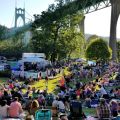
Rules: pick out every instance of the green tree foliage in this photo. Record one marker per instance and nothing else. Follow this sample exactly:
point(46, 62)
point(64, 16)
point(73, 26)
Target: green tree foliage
point(92, 38)
point(72, 42)
point(9, 49)
point(3, 29)
point(98, 50)
point(57, 38)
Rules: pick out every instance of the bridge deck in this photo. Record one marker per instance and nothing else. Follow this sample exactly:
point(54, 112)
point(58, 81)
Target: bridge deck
point(80, 5)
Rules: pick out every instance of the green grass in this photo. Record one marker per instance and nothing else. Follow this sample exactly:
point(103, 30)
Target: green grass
point(2, 79)
point(41, 85)
point(89, 111)
point(87, 80)
point(83, 80)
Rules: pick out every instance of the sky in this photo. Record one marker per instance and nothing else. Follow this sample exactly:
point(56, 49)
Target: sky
point(95, 23)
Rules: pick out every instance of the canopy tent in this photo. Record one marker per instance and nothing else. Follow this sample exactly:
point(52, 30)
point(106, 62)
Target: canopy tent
point(37, 55)
point(91, 63)
point(33, 59)
point(80, 60)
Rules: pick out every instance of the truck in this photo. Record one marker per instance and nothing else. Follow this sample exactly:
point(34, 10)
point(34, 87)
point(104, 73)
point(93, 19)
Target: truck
point(3, 64)
point(31, 66)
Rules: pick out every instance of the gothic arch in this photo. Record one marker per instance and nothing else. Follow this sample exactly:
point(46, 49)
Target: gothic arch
point(19, 12)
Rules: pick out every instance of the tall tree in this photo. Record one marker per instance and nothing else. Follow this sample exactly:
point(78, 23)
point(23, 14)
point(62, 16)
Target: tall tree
point(3, 29)
point(57, 38)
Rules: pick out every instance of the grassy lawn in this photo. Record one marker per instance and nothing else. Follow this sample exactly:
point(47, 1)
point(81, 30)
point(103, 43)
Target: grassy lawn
point(52, 83)
point(41, 85)
point(2, 79)
point(89, 111)
point(87, 80)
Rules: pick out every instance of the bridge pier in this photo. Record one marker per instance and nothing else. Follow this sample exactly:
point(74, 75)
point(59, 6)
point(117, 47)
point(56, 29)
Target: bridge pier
point(82, 25)
point(115, 12)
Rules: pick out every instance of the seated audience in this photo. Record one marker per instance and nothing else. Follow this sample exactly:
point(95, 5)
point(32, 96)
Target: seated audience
point(3, 109)
point(103, 110)
point(15, 108)
point(76, 112)
point(114, 108)
point(34, 107)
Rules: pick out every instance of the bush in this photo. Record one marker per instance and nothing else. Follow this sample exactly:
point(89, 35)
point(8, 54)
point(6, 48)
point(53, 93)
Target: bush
point(98, 50)
point(6, 73)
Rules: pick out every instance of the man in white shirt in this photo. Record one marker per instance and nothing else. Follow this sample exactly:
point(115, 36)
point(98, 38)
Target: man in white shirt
point(103, 92)
point(61, 106)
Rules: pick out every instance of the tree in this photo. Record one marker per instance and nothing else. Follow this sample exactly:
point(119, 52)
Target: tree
point(10, 48)
point(72, 42)
point(98, 50)
point(3, 29)
point(92, 37)
point(57, 38)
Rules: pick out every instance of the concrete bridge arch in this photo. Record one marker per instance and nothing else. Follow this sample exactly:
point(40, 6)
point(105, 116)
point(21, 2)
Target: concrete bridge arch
point(19, 12)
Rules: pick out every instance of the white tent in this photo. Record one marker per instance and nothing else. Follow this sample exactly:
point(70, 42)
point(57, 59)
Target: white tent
point(33, 59)
point(80, 60)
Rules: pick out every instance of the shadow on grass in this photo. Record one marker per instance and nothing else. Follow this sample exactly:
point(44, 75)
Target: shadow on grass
point(3, 80)
point(89, 111)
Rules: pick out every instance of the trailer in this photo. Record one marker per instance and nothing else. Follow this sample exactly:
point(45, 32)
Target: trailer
point(32, 65)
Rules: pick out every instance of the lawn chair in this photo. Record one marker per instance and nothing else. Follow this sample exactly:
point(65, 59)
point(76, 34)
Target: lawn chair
point(44, 114)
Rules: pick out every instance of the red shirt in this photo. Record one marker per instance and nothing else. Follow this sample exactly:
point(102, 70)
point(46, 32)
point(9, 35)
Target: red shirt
point(78, 92)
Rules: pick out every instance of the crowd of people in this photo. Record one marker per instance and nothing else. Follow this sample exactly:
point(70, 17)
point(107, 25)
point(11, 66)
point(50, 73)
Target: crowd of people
point(70, 98)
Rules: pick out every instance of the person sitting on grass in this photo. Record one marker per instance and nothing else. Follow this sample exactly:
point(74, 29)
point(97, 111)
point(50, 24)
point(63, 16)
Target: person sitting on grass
point(88, 102)
point(15, 109)
point(34, 107)
point(61, 106)
point(3, 109)
point(103, 92)
point(114, 108)
point(103, 110)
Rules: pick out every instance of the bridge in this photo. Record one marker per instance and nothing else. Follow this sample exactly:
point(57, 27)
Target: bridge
point(85, 6)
